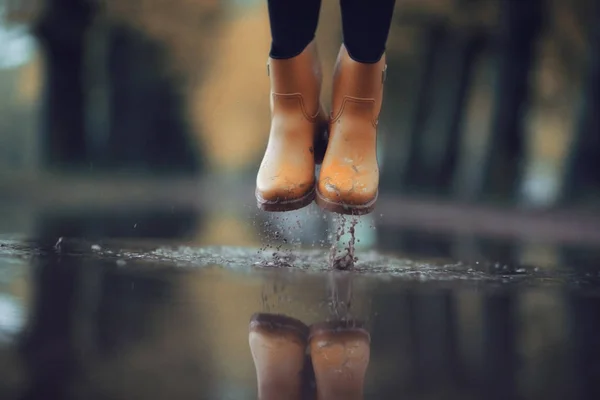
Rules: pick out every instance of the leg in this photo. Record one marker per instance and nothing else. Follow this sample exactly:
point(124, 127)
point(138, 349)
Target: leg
point(366, 25)
point(293, 26)
point(286, 177)
point(349, 179)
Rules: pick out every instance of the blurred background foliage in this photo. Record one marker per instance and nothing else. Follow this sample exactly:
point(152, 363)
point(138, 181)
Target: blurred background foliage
point(487, 101)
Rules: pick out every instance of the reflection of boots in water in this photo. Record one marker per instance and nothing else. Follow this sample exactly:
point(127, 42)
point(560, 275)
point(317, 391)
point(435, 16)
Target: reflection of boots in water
point(278, 346)
point(340, 354)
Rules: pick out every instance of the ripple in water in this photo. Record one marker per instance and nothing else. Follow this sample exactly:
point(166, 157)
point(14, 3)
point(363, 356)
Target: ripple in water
point(371, 262)
point(247, 260)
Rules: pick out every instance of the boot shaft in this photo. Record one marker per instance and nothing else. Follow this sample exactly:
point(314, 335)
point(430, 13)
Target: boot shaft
point(359, 83)
point(300, 75)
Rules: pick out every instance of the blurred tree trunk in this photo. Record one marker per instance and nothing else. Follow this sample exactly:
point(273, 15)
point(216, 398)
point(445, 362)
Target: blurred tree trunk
point(519, 28)
point(61, 32)
point(582, 172)
point(436, 130)
point(399, 107)
point(147, 127)
point(431, 44)
point(110, 99)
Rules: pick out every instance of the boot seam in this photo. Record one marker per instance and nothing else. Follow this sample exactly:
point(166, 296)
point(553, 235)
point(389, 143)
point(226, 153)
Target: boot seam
point(352, 99)
point(300, 97)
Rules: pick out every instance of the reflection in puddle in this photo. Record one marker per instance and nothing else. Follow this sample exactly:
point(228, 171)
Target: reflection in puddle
point(11, 318)
point(123, 320)
point(297, 361)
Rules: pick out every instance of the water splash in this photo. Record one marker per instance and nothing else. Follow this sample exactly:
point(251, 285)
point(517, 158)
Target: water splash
point(347, 259)
point(372, 264)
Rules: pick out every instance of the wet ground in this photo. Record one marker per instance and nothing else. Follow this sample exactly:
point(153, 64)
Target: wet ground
point(128, 303)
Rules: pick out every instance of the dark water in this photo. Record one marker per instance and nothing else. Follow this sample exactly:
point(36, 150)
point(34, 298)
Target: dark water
point(140, 319)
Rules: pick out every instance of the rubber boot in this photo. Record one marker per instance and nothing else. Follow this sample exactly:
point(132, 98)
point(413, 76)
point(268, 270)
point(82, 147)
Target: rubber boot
point(278, 346)
point(286, 178)
point(340, 353)
point(349, 178)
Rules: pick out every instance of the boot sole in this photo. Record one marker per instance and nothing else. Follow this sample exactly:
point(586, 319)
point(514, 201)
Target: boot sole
point(345, 209)
point(285, 205)
point(338, 327)
point(279, 323)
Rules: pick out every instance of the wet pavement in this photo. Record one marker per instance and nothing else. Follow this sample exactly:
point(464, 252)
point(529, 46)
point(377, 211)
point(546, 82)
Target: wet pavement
point(155, 318)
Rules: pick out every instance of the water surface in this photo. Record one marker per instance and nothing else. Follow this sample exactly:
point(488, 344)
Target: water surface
point(124, 319)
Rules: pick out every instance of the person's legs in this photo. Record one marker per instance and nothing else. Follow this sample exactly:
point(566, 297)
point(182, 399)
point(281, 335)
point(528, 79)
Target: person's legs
point(286, 178)
point(293, 26)
point(366, 25)
point(349, 177)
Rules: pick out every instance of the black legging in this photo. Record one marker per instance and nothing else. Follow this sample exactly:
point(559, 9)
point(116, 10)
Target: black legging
point(365, 24)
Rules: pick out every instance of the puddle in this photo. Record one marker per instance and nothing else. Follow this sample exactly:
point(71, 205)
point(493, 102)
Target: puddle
point(145, 319)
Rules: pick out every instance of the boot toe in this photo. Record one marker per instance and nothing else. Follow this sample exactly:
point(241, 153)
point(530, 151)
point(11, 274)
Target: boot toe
point(282, 190)
point(348, 191)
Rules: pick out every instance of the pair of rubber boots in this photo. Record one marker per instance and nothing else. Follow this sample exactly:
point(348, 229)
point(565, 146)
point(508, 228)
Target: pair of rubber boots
point(339, 354)
point(302, 136)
